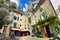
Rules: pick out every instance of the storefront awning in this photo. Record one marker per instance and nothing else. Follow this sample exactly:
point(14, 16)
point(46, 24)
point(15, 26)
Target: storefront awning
point(16, 29)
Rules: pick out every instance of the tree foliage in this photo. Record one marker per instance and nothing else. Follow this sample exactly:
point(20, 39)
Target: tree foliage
point(3, 17)
point(1, 1)
point(41, 22)
point(12, 5)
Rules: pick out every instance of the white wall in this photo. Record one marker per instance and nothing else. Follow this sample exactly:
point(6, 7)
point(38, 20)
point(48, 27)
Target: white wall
point(55, 3)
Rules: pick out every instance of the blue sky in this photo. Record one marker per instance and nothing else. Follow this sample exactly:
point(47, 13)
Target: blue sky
point(23, 4)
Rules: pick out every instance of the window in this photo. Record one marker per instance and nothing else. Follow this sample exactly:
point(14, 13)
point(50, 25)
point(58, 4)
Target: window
point(15, 25)
point(21, 14)
point(20, 24)
point(15, 17)
point(41, 8)
point(20, 19)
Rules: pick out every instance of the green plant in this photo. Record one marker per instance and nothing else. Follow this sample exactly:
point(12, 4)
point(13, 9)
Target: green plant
point(45, 14)
point(1, 1)
point(12, 5)
point(3, 14)
point(41, 22)
point(53, 25)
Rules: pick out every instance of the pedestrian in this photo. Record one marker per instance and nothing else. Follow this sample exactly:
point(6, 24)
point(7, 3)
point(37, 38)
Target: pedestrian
point(12, 35)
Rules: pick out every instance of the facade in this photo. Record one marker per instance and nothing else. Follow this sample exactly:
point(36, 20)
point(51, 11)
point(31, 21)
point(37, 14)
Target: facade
point(44, 8)
point(20, 25)
point(6, 28)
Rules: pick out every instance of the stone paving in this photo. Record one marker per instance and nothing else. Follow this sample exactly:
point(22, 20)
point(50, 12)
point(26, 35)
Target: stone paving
point(31, 38)
point(2, 37)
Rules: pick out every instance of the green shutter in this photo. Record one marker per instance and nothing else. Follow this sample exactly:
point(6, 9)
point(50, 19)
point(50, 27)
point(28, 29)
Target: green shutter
point(15, 17)
point(14, 25)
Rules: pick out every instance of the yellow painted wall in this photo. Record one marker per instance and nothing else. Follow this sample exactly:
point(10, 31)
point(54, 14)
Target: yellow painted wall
point(23, 21)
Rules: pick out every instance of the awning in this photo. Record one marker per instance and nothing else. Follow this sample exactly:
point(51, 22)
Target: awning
point(16, 29)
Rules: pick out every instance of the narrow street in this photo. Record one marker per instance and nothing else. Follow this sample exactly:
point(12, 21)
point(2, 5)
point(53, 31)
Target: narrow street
point(31, 38)
point(29, 20)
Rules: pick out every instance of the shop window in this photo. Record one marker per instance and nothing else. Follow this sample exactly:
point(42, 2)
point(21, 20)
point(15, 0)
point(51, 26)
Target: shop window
point(15, 25)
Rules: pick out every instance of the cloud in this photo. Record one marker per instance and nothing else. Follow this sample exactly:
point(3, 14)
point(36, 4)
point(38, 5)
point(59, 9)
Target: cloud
point(23, 4)
point(15, 1)
point(26, 5)
point(24, 9)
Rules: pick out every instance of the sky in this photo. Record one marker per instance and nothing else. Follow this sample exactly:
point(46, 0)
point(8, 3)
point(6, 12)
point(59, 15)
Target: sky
point(23, 4)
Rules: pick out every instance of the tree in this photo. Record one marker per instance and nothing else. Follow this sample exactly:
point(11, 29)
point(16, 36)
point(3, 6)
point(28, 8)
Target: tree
point(3, 17)
point(1, 1)
point(12, 5)
point(51, 20)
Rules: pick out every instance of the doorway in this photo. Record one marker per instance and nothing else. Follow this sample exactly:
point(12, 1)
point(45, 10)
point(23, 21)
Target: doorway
point(48, 31)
